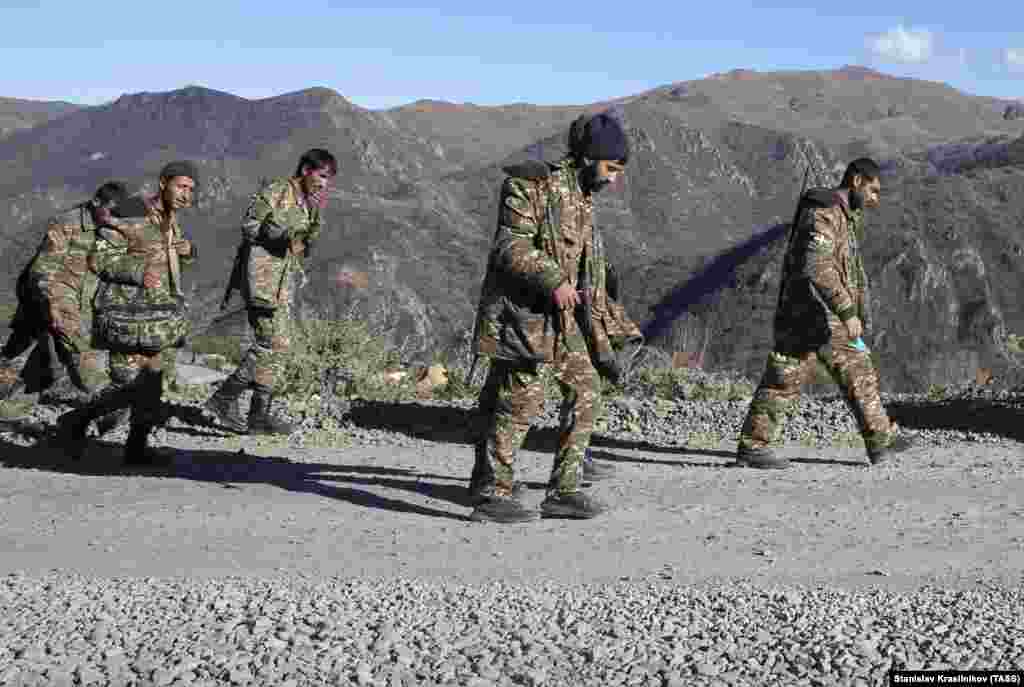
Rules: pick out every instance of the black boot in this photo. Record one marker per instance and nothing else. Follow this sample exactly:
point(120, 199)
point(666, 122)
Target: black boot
point(897, 444)
point(112, 421)
point(260, 420)
point(73, 425)
point(136, 448)
point(224, 405)
point(575, 505)
point(763, 458)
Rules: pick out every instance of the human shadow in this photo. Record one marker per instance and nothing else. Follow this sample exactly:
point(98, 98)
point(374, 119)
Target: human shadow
point(448, 424)
point(231, 468)
point(1002, 418)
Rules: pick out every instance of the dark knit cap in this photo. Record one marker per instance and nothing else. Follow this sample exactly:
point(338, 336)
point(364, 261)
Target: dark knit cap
point(604, 139)
point(180, 168)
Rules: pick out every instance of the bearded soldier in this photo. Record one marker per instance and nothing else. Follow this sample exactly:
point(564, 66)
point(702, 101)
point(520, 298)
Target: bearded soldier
point(140, 311)
point(278, 232)
point(55, 293)
point(543, 245)
point(822, 307)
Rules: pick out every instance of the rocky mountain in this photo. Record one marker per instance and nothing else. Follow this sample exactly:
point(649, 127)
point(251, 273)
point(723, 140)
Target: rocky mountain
point(718, 162)
point(17, 114)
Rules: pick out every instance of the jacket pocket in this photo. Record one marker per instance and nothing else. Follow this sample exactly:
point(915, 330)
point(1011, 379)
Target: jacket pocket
point(524, 334)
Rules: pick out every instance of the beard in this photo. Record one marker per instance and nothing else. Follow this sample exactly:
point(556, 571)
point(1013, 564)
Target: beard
point(590, 182)
point(856, 200)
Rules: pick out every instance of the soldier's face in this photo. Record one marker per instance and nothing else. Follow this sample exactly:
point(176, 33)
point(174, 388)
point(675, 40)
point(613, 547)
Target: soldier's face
point(865, 193)
point(101, 213)
point(177, 192)
point(316, 181)
point(600, 174)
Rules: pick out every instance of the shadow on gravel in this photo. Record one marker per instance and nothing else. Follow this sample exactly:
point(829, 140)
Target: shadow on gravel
point(233, 468)
point(457, 426)
point(968, 415)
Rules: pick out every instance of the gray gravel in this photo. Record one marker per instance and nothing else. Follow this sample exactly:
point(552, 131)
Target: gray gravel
point(69, 630)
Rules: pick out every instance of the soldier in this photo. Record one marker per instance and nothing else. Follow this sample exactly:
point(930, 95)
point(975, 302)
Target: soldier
point(140, 311)
point(821, 310)
point(278, 232)
point(55, 293)
point(542, 246)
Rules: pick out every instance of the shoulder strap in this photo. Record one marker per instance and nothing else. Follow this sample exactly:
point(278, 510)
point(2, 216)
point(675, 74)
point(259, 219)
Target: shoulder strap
point(529, 169)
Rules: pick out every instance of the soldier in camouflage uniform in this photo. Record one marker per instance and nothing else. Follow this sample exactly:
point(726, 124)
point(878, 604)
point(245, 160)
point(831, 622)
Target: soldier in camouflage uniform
point(55, 293)
point(543, 244)
point(822, 307)
point(278, 232)
point(139, 265)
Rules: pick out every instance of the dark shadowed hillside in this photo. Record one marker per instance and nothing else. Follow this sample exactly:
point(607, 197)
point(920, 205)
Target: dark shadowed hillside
point(716, 162)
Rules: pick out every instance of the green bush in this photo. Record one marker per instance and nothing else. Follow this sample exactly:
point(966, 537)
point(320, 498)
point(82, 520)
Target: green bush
point(348, 348)
point(691, 385)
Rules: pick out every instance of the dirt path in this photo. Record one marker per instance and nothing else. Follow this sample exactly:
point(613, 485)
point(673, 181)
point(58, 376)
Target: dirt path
point(948, 516)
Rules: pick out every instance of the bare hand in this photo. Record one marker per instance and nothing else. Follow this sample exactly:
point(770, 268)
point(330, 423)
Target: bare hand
point(855, 328)
point(565, 296)
point(151, 278)
point(184, 248)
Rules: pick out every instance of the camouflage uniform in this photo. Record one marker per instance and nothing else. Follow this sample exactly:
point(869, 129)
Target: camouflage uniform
point(278, 231)
point(823, 286)
point(544, 238)
point(120, 259)
point(54, 294)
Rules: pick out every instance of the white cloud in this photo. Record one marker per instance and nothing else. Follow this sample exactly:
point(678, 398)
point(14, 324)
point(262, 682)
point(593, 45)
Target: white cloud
point(903, 45)
point(1014, 59)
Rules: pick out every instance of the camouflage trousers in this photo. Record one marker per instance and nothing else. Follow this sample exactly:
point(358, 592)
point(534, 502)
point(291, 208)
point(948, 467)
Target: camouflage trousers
point(787, 371)
point(513, 396)
point(262, 366)
point(136, 383)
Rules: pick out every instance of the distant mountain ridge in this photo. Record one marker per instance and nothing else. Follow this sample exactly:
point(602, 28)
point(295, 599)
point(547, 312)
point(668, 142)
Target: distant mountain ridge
point(716, 161)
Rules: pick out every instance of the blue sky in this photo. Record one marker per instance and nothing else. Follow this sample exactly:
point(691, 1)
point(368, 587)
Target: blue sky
point(489, 53)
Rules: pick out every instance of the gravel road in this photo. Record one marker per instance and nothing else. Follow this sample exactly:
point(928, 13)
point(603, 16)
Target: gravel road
point(285, 562)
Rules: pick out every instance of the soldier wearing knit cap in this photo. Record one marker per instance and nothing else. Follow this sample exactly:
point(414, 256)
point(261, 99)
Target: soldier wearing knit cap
point(139, 270)
point(543, 253)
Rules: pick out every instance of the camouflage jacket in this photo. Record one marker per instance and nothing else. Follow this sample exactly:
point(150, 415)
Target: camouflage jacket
point(278, 231)
point(122, 255)
point(62, 258)
point(544, 237)
point(609, 326)
point(823, 278)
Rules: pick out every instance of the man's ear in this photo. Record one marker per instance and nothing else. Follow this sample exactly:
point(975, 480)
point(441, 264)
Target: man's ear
point(857, 182)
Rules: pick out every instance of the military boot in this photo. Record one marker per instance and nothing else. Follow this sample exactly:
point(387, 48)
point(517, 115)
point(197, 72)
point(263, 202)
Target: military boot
point(503, 509)
point(136, 448)
point(260, 419)
point(898, 444)
point(224, 405)
point(763, 458)
point(112, 421)
point(73, 425)
point(593, 471)
point(573, 505)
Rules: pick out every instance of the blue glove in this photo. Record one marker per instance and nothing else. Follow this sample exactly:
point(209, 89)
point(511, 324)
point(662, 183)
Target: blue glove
point(859, 344)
